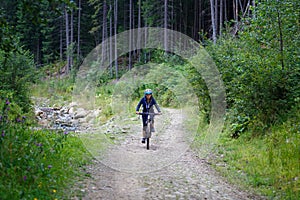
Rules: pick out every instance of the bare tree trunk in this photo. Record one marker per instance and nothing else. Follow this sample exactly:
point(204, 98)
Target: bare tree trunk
point(104, 32)
point(254, 5)
point(61, 41)
point(236, 11)
point(201, 19)
point(249, 3)
point(221, 17)
point(133, 26)
point(180, 18)
point(67, 41)
point(172, 19)
point(130, 36)
point(71, 39)
point(166, 26)
point(216, 15)
point(245, 7)
point(213, 22)
point(195, 29)
point(110, 41)
point(225, 12)
point(139, 26)
point(78, 30)
point(185, 22)
point(116, 31)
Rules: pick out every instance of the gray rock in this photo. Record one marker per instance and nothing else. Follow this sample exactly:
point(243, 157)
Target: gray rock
point(80, 114)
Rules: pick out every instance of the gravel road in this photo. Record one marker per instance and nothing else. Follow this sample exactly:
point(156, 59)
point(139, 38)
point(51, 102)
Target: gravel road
point(169, 170)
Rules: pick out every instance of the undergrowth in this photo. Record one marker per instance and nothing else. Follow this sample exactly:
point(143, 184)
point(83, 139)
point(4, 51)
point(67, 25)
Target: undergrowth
point(37, 164)
point(268, 164)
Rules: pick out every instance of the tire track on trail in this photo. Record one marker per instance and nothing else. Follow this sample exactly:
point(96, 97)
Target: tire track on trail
point(169, 170)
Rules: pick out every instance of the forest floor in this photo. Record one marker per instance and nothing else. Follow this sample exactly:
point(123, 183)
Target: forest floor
point(169, 170)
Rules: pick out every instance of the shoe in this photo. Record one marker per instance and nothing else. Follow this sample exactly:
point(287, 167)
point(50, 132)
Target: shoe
point(143, 140)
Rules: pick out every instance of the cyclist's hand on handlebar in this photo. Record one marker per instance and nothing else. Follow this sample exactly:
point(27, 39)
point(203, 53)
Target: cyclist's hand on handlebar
point(159, 113)
point(137, 112)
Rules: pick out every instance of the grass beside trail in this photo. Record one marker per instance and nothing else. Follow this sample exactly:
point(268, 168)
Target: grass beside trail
point(57, 91)
point(39, 164)
point(269, 164)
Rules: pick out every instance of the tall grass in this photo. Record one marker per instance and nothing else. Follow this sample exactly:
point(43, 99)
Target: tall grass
point(57, 91)
point(37, 164)
point(270, 164)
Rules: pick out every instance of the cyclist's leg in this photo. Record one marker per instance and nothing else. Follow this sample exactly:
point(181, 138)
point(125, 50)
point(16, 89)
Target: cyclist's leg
point(144, 131)
point(152, 120)
point(152, 125)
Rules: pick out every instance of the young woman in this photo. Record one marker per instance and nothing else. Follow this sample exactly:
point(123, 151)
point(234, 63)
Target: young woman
point(147, 102)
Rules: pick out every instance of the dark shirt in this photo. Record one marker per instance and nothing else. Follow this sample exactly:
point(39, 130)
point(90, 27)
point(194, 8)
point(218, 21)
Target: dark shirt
point(147, 107)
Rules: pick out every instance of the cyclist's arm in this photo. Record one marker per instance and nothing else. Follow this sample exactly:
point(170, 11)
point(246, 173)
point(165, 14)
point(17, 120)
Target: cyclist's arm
point(138, 106)
point(156, 105)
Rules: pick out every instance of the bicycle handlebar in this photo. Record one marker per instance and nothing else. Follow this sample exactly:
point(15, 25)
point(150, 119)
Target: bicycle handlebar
point(147, 113)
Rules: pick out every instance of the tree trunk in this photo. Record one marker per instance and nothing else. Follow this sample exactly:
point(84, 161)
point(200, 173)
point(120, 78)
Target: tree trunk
point(221, 17)
point(78, 30)
point(130, 35)
point(139, 34)
point(145, 39)
point(110, 41)
point(71, 39)
point(116, 31)
point(67, 41)
point(236, 10)
point(172, 19)
point(213, 22)
point(216, 15)
point(133, 27)
point(166, 26)
point(253, 12)
point(225, 12)
point(104, 32)
point(61, 40)
point(195, 28)
point(201, 19)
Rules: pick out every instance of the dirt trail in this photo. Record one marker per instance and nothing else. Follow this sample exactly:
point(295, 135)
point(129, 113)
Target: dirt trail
point(169, 170)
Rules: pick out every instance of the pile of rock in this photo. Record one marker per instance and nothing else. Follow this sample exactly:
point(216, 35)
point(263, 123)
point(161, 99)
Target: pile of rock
point(71, 117)
point(65, 117)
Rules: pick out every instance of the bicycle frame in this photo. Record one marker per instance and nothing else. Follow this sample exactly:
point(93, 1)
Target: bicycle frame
point(148, 129)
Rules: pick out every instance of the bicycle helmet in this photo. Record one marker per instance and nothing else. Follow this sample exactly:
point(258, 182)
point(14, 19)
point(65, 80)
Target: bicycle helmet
point(148, 91)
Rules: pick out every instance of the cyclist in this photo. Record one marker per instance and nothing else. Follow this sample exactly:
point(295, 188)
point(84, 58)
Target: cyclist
point(147, 102)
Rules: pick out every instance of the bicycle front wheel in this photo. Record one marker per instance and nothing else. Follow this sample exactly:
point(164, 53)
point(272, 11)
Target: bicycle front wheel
point(148, 143)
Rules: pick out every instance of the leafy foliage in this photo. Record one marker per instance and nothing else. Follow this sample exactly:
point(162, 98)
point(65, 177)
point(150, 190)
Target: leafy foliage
point(260, 75)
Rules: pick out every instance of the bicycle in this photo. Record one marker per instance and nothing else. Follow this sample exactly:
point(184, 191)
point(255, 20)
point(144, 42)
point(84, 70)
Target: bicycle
point(148, 129)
